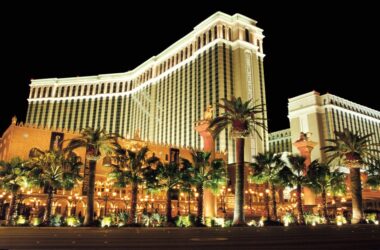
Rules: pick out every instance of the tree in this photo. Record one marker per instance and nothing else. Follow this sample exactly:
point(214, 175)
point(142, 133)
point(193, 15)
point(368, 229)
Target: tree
point(266, 169)
point(13, 177)
point(205, 174)
point(132, 168)
point(51, 170)
point(294, 175)
point(169, 176)
point(352, 150)
point(244, 120)
point(322, 180)
point(96, 142)
point(373, 171)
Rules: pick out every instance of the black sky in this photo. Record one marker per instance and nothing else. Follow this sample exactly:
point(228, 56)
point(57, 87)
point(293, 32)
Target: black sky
point(323, 47)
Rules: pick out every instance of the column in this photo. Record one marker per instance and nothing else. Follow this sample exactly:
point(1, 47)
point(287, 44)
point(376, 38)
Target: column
point(305, 147)
point(209, 199)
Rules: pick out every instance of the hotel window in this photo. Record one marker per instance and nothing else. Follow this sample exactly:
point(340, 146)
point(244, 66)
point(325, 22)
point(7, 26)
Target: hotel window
point(120, 87)
point(32, 94)
point(199, 42)
point(191, 49)
point(246, 35)
point(44, 92)
point(38, 92)
point(224, 32)
point(108, 87)
point(62, 91)
point(181, 55)
point(102, 88)
point(85, 90)
point(91, 88)
point(67, 91)
point(79, 90)
point(114, 87)
point(215, 32)
point(204, 39)
point(209, 36)
point(73, 91)
point(50, 91)
point(96, 89)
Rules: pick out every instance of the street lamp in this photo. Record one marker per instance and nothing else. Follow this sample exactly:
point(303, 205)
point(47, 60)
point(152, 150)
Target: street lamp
point(74, 203)
point(106, 197)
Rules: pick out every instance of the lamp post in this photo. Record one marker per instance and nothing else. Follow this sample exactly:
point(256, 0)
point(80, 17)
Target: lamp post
point(1, 204)
point(250, 193)
point(74, 203)
point(106, 196)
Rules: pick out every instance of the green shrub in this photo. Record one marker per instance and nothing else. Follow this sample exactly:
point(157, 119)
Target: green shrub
point(72, 221)
point(36, 222)
point(185, 221)
point(56, 220)
point(106, 221)
point(288, 218)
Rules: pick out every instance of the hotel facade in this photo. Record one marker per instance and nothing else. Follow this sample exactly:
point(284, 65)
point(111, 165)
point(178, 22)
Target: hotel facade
point(163, 97)
point(319, 116)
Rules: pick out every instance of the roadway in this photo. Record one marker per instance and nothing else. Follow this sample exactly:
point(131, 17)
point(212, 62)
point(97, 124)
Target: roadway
point(293, 237)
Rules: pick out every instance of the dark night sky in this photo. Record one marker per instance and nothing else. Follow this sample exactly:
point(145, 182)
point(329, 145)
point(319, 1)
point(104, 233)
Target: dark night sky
point(316, 47)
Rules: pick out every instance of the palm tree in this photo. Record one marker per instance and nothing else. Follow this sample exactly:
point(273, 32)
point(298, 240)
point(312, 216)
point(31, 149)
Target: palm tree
point(294, 175)
point(244, 120)
point(266, 169)
point(96, 142)
point(169, 176)
point(13, 177)
point(352, 150)
point(133, 168)
point(373, 171)
point(51, 170)
point(204, 175)
point(322, 180)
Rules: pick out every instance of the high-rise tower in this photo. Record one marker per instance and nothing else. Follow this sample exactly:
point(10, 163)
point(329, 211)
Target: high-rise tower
point(164, 96)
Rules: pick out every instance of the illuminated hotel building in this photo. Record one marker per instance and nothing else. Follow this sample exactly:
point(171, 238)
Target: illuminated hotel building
point(164, 96)
point(280, 141)
point(321, 115)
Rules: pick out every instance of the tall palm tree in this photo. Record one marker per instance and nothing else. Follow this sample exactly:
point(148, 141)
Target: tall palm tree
point(352, 150)
point(294, 175)
point(133, 168)
point(322, 180)
point(266, 169)
point(205, 174)
point(244, 119)
point(52, 170)
point(373, 171)
point(13, 177)
point(96, 142)
point(168, 176)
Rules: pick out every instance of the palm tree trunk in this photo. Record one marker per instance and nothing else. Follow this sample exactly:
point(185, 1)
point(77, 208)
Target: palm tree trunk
point(48, 207)
point(239, 219)
point(274, 203)
point(11, 210)
point(89, 219)
point(324, 204)
point(169, 206)
point(266, 200)
point(356, 194)
point(300, 218)
point(200, 205)
point(133, 215)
